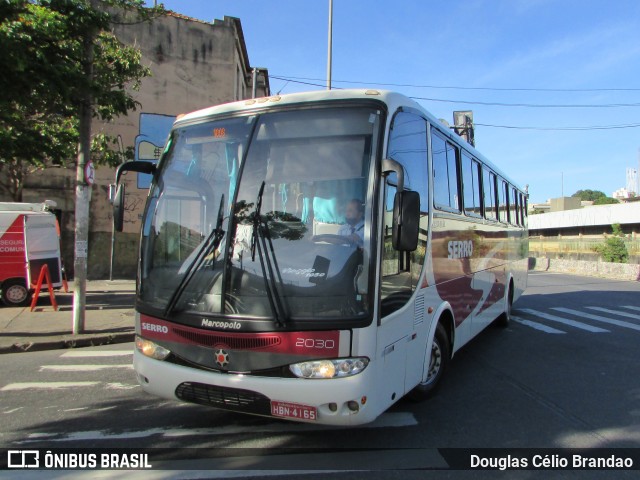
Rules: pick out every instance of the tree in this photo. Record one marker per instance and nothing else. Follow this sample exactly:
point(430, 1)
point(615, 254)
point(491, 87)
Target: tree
point(589, 195)
point(61, 68)
point(44, 83)
point(605, 201)
point(613, 249)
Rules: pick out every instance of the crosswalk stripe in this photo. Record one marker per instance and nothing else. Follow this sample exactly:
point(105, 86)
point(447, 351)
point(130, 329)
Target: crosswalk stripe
point(598, 318)
point(631, 307)
point(45, 385)
point(94, 353)
point(616, 312)
point(386, 420)
point(536, 325)
point(82, 368)
point(564, 321)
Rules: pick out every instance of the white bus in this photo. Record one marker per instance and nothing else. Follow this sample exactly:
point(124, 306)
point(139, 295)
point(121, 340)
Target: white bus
point(318, 256)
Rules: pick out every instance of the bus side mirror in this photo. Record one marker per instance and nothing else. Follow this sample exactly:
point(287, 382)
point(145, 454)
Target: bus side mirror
point(118, 209)
point(406, 221)
point(139, 166)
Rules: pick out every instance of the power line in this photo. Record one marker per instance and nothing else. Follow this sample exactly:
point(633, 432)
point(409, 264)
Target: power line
point(452, 87)
point(530, 105)
point(511, 127)
point(593, 127)
point(495, 104)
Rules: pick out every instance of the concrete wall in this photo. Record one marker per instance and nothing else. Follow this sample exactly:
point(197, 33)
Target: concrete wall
point(617, 271)
point(194, 65)
point(596, 216)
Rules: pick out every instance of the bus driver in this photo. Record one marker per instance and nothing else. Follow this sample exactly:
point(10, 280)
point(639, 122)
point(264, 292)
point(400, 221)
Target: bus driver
point(354, 228)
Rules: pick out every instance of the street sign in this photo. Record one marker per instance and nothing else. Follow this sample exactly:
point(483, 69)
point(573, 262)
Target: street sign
point(89, 173)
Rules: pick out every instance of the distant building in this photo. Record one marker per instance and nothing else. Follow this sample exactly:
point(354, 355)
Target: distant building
point(623, 194)
point(595, 221)
point(195, 64)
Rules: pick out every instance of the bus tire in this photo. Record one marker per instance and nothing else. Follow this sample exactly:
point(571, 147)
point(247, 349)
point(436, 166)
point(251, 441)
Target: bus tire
point(15, 293)
point(440, 356)
point(505, 318)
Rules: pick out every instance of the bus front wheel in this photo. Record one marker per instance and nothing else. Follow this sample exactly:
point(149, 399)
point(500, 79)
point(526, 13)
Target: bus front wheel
point(440, 355)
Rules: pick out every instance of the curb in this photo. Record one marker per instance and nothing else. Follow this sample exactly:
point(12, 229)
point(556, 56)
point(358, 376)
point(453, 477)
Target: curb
point(90, 340)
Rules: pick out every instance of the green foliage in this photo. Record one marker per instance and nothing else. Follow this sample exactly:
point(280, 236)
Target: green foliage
point(44, 77)
point(589, 195)
point(605, 201)
point(614, 249)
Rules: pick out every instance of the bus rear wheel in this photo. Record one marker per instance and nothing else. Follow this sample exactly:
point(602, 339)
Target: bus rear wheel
point(440, 355)
point(15, 293)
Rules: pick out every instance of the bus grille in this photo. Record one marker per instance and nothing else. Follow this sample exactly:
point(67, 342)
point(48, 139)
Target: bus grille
point(224, 397)
point(249, 342)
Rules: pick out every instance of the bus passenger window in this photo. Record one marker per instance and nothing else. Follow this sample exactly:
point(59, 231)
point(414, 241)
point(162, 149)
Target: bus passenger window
point(502, 205)
point(471, 185)
point(445, 173)
point(489, 183)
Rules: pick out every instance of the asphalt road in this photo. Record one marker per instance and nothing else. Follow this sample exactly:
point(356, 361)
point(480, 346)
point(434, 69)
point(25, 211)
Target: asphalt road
point(564, 374)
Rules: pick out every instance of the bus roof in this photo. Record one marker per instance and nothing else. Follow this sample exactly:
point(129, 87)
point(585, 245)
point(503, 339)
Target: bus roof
point(393, 101)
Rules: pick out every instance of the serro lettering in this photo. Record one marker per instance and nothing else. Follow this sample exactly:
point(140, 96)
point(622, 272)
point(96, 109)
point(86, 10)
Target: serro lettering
point(460, 249)
point(152, 327)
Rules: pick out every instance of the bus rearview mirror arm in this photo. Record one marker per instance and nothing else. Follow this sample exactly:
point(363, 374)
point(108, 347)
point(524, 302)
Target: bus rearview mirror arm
point(118, 200)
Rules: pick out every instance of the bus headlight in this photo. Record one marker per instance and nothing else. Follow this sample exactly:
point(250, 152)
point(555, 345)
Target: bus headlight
point(151, 349)
point(343, 367)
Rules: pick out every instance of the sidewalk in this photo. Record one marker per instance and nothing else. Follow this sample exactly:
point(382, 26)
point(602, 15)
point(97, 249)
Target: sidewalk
point(109, 318)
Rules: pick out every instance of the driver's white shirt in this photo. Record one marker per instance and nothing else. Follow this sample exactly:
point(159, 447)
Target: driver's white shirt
point(347, 230)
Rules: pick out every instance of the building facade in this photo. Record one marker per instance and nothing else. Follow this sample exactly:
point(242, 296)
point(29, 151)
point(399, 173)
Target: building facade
point(194, 64)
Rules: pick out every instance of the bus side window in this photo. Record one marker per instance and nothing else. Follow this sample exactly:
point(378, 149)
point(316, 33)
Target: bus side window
point(502, 202)
point(401, 270)
point(489, 184)
point(471, 185)
point(445, 173)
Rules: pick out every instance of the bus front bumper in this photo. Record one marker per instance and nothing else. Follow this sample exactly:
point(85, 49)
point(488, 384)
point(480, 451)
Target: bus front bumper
point(339, 401)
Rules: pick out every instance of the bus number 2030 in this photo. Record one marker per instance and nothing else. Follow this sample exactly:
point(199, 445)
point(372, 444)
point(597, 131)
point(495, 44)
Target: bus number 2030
point(316, 343)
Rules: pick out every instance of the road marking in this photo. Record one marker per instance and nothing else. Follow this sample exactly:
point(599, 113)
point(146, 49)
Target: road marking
point(632, 307)
point(94, 353)
point(536, 325)
point(386, 420)
point(565, 321)
point(82, 368)
point(46, 385)
point(13, 410)
point(598, 318)
point(121, 386)
point(616, 312)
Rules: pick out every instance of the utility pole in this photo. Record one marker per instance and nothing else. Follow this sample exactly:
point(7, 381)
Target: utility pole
point(83, 190)
point(330, 42)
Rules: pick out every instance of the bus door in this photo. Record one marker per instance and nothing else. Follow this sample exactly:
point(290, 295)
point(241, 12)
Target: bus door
point(403, 331)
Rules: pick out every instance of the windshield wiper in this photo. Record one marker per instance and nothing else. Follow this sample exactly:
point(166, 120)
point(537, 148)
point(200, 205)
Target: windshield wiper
point(268, 263)
point(211, 243)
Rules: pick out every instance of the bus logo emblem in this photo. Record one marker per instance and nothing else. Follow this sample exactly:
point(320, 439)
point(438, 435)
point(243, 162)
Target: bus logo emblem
point(222, 358)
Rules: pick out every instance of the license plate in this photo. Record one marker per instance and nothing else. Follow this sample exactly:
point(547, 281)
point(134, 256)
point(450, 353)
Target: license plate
point(293, 410)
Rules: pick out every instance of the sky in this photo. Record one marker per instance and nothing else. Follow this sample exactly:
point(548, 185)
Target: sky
point(557, 67)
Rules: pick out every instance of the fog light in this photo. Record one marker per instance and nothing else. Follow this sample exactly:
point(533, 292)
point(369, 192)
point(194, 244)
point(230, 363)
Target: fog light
point(333, 407)
point(353, 406)
point(151, 349)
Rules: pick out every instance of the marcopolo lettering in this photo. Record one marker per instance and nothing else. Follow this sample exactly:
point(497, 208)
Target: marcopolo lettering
point(460, 248)
point(222, 325)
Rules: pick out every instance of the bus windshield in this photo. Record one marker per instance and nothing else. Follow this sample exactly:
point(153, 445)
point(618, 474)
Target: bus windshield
point(264, 216)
